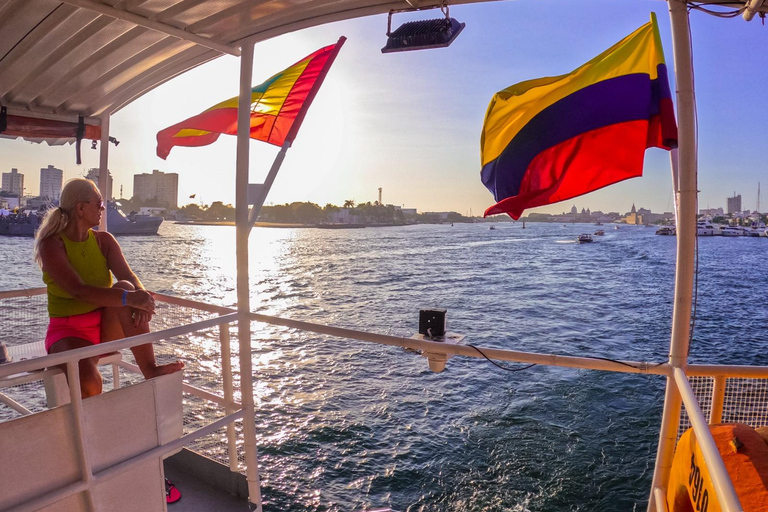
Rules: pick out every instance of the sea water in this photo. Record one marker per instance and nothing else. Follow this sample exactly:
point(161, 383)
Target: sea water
point(343, 425)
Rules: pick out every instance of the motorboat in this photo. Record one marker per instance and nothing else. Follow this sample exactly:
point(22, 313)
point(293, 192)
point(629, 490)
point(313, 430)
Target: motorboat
point(733, 231)
point(75, 64)
point(707, 229)
point(757, 230)
point(599, 232)
point(666, 231)
point(585, 238)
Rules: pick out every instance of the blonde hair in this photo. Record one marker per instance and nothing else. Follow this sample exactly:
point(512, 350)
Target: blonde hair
point(77, 190)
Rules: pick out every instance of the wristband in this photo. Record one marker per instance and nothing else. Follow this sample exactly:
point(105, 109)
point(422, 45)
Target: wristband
point(125, 296)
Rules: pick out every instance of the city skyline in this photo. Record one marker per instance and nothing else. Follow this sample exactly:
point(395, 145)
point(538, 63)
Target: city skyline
point(422, 147)
point(197, 199)
point(91, 174)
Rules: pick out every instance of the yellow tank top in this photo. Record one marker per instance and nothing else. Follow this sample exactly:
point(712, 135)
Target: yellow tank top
point(88, 261)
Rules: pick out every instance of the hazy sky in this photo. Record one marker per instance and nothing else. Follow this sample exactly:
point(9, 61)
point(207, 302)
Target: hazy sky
point(410, 122)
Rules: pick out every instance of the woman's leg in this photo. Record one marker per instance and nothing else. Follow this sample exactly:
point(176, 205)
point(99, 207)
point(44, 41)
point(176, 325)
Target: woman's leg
point(90, 378)
point(118, 323)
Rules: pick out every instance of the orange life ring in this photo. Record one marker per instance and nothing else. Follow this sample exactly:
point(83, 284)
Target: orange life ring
point(745, 455)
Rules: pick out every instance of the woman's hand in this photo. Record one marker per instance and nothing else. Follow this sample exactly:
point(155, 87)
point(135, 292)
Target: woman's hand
point(140, 317)
point(141, 300)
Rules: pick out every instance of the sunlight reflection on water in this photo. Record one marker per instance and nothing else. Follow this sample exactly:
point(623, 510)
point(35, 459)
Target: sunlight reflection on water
point(344, 424)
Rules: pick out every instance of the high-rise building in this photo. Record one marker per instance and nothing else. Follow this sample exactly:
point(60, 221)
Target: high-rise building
point(13, 182)
point(734, 203)
point(50, 182)
point(93, 175)
point(159, 186)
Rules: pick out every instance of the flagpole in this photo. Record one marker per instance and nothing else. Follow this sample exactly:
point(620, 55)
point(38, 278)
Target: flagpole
point(104, 169)
point(243, 288)
point(686, 194)
point(258, 202)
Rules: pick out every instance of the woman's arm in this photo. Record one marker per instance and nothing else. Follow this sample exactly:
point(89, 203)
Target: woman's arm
point(53, 254)
point(116, 260)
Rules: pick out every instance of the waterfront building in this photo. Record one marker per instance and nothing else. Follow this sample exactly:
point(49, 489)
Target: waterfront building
point(50, 182)
point(734, 203)
point(712, 212)
point(93, 175)
point(13, 182)
point(633, 217)
point(159, 186)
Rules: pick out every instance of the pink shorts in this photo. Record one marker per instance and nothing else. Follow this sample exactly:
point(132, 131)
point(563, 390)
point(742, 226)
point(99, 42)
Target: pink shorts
point(86, 326)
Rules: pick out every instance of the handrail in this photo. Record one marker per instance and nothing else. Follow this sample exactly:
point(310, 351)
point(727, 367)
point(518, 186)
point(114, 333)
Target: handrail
point(437, 347)
point(693, 370)
point(97, 350)
point(661, 502)
point(726, 493)
point(28, 292)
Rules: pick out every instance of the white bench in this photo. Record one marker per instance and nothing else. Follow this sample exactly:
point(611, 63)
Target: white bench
point(56, 388)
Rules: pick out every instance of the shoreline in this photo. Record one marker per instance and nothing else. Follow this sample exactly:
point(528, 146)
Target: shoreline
point(287, 225)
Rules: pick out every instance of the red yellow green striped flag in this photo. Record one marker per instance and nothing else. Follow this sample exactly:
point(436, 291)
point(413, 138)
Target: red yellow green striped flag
point(278, 107)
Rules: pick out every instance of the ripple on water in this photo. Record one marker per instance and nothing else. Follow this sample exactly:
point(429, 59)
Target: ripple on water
point(345, 425)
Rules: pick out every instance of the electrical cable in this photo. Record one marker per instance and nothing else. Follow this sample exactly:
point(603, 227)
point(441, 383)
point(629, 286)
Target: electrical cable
point(586, 357)
point(694, 310)
point(720, 14)
point(500, 366)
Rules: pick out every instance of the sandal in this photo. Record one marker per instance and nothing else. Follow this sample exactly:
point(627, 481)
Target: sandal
point(172, 494)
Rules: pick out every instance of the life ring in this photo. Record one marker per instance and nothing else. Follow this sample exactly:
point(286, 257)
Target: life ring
point(745, 455)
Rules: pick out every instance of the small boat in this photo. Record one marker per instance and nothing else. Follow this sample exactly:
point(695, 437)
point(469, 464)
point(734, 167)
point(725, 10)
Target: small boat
point(585, 238)
point(757, 229)
point(733, 231)
point(666, 230)
point(492, 227)
point(599, 232)
point(706, 229)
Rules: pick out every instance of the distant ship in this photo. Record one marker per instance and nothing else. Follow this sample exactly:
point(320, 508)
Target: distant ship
point(118, 224)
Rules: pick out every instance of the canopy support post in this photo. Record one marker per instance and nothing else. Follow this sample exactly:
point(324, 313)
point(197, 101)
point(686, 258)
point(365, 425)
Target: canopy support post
point(686, 238)
point(104, 169)
point(243, 288)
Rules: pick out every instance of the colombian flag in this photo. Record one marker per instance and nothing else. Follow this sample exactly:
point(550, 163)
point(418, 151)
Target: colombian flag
point(278, 107)
point(551, 139)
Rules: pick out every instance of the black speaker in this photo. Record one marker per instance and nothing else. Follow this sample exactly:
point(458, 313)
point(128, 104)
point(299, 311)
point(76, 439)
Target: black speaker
point(432, 322)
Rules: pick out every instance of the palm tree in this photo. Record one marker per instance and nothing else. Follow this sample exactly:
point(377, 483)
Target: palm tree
point(349, 203)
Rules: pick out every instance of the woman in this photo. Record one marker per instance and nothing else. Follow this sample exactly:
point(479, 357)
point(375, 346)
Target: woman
point(84, 305)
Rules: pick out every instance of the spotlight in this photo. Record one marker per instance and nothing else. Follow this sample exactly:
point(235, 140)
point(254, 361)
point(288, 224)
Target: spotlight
point(423, 34)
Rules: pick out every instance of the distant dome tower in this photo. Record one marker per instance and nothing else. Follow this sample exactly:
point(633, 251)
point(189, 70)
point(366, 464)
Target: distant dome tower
point(574, 210)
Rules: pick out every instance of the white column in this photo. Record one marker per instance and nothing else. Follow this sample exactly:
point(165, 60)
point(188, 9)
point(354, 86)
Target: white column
point(104, 167)
point(243, 288)
point(686, 238)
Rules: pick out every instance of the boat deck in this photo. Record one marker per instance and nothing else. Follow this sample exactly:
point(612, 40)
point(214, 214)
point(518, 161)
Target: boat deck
point(199, 496)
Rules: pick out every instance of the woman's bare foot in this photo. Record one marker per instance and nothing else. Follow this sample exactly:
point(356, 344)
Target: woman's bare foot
point(162, 369)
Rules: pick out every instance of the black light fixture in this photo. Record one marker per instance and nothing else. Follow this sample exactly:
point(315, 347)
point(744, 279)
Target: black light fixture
point(423, 34)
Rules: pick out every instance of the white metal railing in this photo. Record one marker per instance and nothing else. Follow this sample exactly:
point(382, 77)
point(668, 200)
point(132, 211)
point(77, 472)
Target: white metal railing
point(723, 486)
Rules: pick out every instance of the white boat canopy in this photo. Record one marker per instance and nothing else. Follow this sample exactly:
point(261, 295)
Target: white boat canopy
point(62, 60)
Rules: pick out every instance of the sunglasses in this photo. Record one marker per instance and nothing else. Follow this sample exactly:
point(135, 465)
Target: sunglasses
point(100, 203)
